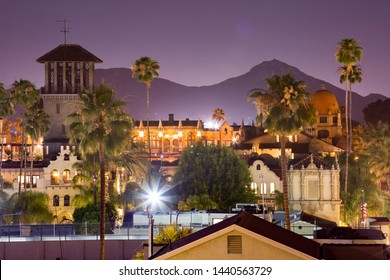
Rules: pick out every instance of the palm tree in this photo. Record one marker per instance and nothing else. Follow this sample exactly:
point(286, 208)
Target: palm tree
point(37, 125)
point(102, 127)
point(23, 92)
point(348, 54)
point(290, 114)
point(6, 110)
point(263, 103)
point(31, 206)
point(218, 116)
point(145, 69)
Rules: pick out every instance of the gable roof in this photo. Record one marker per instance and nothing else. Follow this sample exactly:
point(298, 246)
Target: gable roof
point(69, 52)
point(254, 224)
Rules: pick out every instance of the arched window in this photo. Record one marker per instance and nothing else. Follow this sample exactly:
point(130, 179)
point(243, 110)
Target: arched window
point(258, 167)
point(323, 133)
point(66, 200)
point(254, 187)
point(56, 200)
point(272, 188)
point(167, 145)
point(66, 176)
point(54, 177)
point(263, 188)
point(175, 145)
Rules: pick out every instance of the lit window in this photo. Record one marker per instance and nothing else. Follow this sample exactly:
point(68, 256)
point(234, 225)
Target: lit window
point(66, 176)
point(272, 188)
point(55, 177)
point(263, 188)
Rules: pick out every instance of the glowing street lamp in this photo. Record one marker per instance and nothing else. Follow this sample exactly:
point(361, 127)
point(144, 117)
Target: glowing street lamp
point(154, 198)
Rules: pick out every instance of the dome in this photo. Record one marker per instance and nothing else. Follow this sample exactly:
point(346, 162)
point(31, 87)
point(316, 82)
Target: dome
point(325, 102)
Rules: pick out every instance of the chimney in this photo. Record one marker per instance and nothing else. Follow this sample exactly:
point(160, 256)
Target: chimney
point(170, 118)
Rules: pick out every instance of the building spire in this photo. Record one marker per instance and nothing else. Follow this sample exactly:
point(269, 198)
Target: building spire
point(64, 29)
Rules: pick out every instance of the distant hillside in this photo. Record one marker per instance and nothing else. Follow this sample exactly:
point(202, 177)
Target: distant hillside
point(199, 102)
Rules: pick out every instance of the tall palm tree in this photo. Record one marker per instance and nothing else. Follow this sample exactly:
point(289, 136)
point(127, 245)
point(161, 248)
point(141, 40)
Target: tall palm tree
point(263, 103)
point(354, 76)
point(24, 93)
point(290, 114)
point(37, 125)
point(349, 53)
point(218, 116)
point(102, 127)
point(6, 110)
point(145, 69)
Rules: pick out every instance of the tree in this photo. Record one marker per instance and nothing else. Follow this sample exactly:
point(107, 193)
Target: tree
point(376, 146)
point(263, 102)
point(218, 116)
point(37, 124)
point(6, 110)
point(214, 171)
point(202, 202)
point(348, 54)
point(102, 127)
point(31, 206)
point(23, 92)
point(290, 114)
point(145, 69)
point(377, 111)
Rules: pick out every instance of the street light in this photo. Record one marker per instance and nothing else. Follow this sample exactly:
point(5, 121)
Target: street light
point(154, 198)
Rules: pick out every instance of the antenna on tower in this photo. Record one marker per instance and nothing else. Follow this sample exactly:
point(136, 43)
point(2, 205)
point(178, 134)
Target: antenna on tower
point(64, 29)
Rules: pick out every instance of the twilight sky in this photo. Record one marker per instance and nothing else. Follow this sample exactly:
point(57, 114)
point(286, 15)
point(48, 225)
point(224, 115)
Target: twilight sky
point(200, 42)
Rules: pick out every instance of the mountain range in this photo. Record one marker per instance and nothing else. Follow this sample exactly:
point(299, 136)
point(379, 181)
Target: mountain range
point(167, 97)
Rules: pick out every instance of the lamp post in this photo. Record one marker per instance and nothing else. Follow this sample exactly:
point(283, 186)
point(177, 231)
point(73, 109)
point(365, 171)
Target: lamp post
point(154, 198)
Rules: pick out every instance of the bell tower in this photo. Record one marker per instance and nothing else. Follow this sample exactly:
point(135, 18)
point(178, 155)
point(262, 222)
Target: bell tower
point(69, 70)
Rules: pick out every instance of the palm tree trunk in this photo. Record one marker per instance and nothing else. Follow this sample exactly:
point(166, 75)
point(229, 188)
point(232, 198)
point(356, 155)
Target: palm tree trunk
point(21, 153)
point(284, 179)
point(2, 147)
point(350, 117)
point(102, 200)
point(147, 119)
point(32, 164)
point(347, 137)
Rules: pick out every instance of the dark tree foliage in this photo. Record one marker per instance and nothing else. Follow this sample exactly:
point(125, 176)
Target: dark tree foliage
point(377, 111)
point(215, 171)
point(91, 214)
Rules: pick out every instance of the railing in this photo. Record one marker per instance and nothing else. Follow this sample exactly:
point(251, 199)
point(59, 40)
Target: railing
point(82, 231)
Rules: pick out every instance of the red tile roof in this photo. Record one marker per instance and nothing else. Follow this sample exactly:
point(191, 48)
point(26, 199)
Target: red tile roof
point(69, 52)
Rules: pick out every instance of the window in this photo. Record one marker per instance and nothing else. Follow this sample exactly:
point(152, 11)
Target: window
point(167, 145)
point(175, 145)
point(58, 108)
point(323, 119)
point(54, 177)
point(234, 244)
point(263, 188)
point(272, 188)
point(66, 200)
point(254, 187)
point(323, 134)
point(66, 176)
point(258, 167)
point(335, 119)
point(56, 200)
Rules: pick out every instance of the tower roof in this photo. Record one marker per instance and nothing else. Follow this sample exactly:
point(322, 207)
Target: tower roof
point(324, 101)
point(69, 52)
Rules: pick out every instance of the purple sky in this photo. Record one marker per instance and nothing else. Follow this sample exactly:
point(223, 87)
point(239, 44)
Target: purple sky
point(200, 42)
